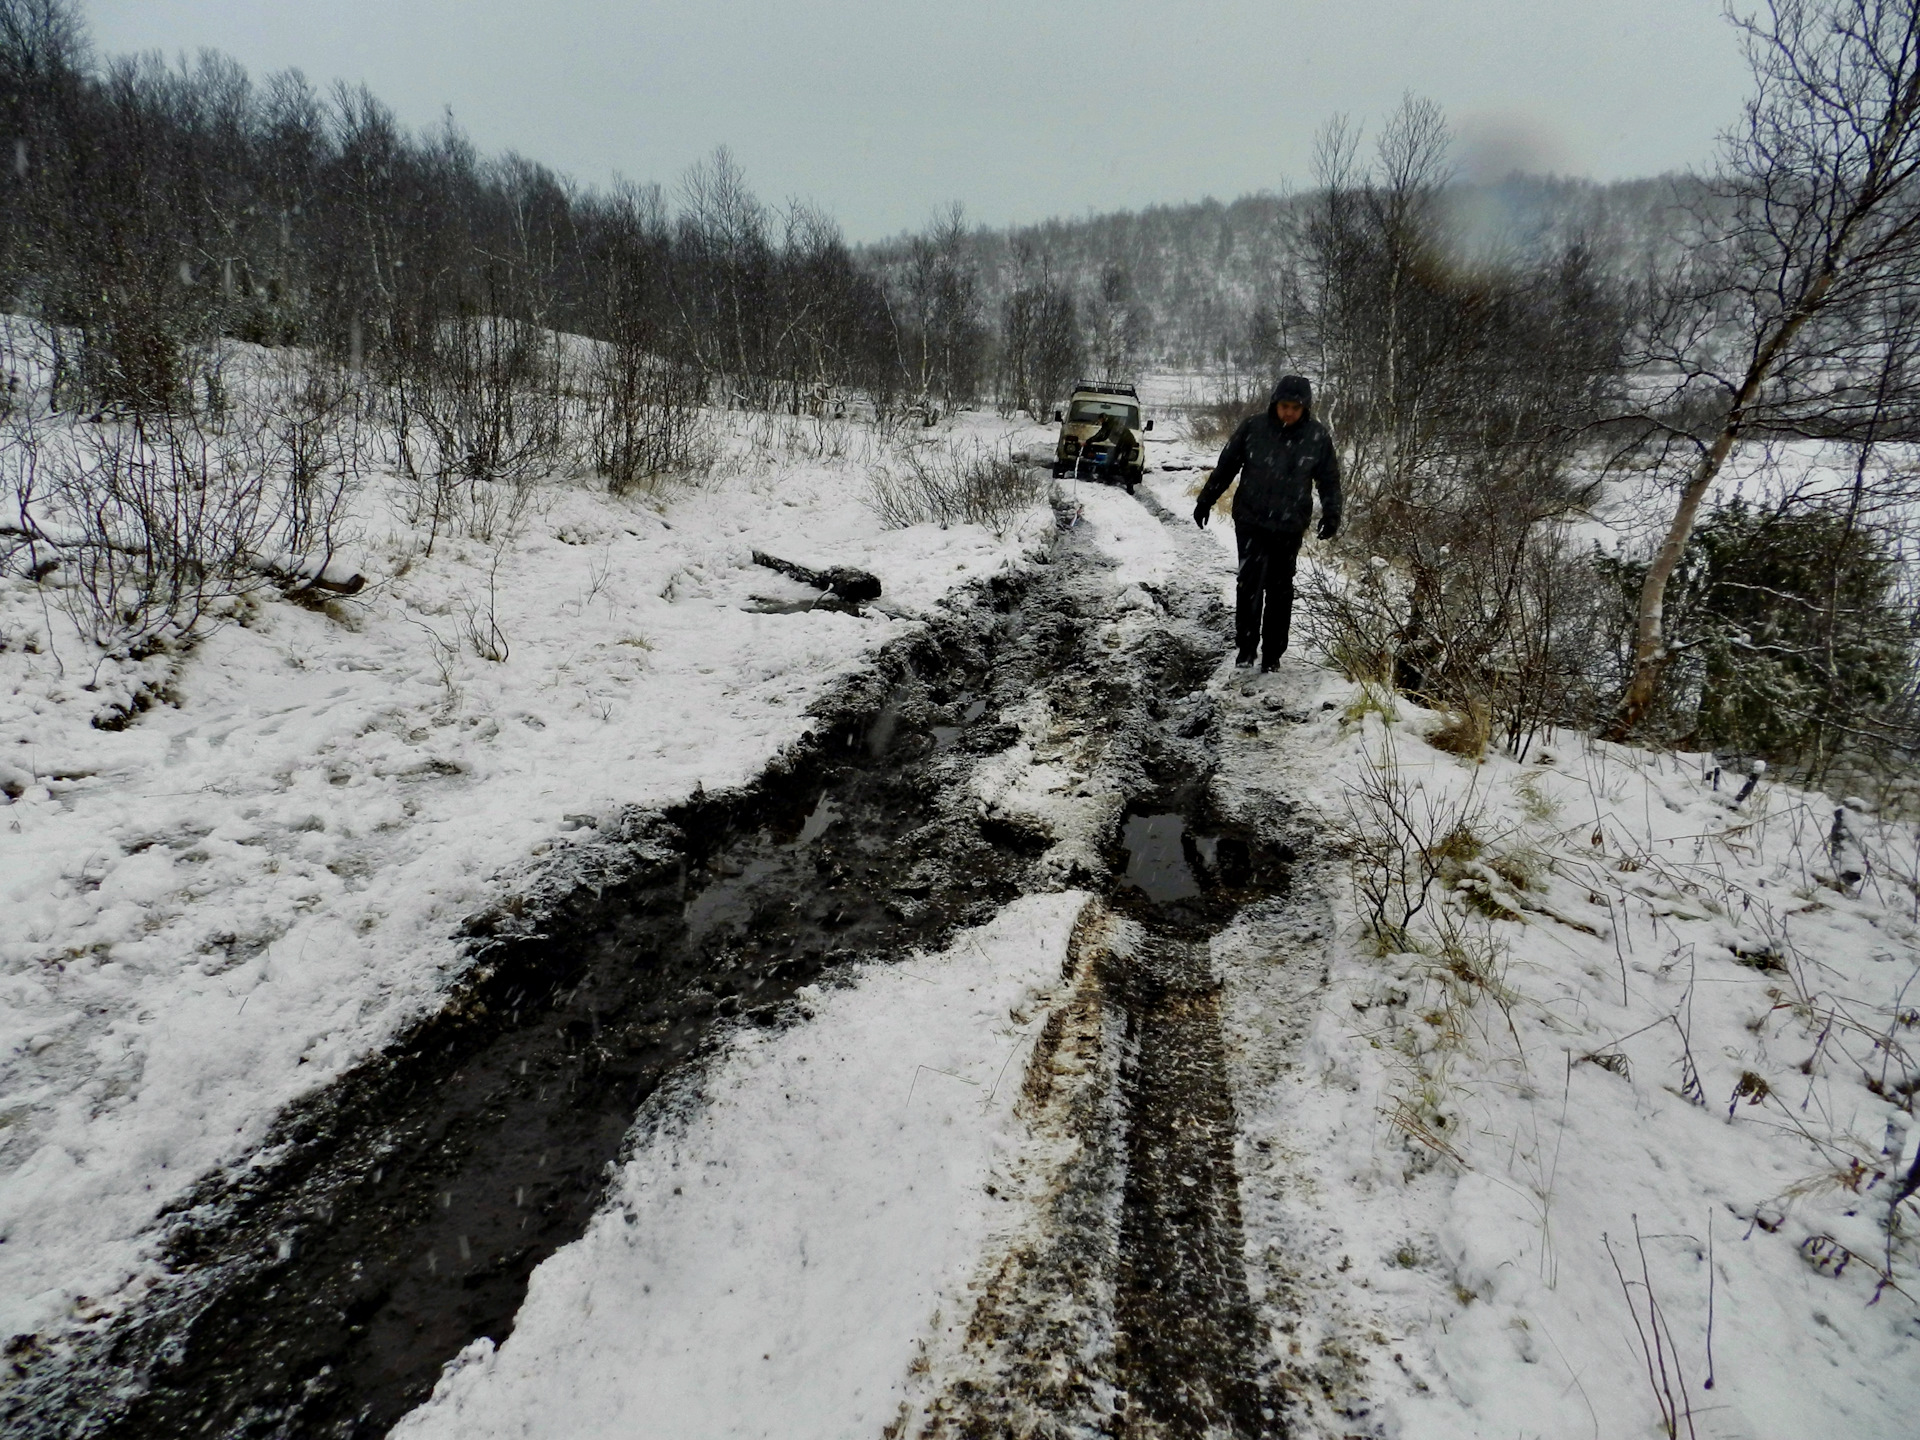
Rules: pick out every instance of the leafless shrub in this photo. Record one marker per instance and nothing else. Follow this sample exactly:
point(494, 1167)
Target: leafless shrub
point(479, 405)
point(481, 621)
point(142, 525)
point(1551, 666)
point(445, 654)
point(810, 436)
point(1661, 1355)
point(954, 485)
point(1403, 838)
point(1234, 395)
point(1519, 630)
point(163, 516)
point(23, 436)
point(313, 443)
point(644, 418)
point(1350, 613)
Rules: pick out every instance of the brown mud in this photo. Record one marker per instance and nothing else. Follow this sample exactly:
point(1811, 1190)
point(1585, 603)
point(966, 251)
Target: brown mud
point(1125, 1309)
point(317, 1287)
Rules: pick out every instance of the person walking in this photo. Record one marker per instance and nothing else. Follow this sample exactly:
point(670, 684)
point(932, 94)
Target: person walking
point(1280, 457)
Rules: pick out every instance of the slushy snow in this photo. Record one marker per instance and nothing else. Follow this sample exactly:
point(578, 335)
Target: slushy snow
point(771, 1257)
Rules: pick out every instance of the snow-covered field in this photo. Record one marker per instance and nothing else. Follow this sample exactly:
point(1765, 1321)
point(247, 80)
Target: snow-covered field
point(1637, 1006)
point(222, 905)
point(1637, 1025)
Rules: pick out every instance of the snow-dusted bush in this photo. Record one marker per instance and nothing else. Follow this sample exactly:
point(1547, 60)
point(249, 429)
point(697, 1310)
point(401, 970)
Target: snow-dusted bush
point(1506, 619)
point(1221, 406)
point(1403, 837)
point(142, 524)
point(479, 414)
point(150, 521)
point(953, 485)
point(644, 417)
point(1788, 635)
point(311, 414)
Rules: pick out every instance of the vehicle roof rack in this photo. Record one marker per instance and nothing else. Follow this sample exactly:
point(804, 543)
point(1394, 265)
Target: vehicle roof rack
point(1110, 387)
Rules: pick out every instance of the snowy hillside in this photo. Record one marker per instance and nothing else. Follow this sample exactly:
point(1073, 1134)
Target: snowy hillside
point(1524, 1097)
point(258, 879)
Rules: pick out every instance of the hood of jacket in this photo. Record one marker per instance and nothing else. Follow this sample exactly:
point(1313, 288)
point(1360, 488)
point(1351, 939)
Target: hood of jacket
point(1296, 388)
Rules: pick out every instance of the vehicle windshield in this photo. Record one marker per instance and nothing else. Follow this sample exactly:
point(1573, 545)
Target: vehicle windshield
point(1092, 412)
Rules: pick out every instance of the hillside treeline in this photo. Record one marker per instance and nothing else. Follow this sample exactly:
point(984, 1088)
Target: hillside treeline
point(1490, 357)
point(1203, 285)
point(146, 207)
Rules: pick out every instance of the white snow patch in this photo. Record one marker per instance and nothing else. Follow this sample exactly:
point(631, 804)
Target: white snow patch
point(254, 885)
point(772, 1255)
point(1452, 1157)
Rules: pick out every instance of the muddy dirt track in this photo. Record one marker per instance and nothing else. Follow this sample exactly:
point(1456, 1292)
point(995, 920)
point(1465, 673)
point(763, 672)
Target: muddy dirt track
point(397, 1215)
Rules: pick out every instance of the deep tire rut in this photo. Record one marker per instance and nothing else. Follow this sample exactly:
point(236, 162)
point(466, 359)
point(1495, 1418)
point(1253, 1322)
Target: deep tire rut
point(1187, 1340)
point(318, 1287)
point(1124, 1308)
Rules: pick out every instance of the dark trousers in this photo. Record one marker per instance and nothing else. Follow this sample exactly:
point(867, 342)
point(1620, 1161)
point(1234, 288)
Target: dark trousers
point(1265, 591)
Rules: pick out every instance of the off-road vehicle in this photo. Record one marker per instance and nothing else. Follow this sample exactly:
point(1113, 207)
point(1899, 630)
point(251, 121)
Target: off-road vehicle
point(1101, 434)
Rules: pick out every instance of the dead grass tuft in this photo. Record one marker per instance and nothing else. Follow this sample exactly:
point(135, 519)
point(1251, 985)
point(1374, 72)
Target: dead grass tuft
point(1465, 732)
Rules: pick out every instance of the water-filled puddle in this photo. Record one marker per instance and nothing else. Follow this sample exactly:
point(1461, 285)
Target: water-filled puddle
point(945, 735)
point(880, 733)
point(1157, 861)
point(824, 814)
point(727, 905)
point(825, 600)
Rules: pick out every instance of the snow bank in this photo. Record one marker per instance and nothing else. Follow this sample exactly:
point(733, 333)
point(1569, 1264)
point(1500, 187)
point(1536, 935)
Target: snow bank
point(256, 882)
point(1661, 1024)
point(769, 1260)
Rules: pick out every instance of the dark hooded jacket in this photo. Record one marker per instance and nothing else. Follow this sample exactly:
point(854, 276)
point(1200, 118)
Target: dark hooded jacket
point(1278, 467)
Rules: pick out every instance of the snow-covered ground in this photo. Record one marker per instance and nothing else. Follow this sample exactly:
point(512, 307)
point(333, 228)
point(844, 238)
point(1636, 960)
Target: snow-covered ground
point(1633, 1007)
point(1636, 1024)
point(770, 1262)
point(1439, 1146)
point(222, 905)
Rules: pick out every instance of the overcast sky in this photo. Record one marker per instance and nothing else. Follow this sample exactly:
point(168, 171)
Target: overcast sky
point(881, 110)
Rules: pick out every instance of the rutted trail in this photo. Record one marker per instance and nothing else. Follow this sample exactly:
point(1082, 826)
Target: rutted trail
point(1187, 1338)
point(1123, 1305)
point(1047, 731)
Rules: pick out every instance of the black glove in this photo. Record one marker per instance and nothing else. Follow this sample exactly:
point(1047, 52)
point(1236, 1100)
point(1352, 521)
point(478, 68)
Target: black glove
point(1200, 513)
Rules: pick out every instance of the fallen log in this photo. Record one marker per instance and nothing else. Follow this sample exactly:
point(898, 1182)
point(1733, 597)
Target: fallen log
point(291, 572)
point(323, 573)
point(841, 580)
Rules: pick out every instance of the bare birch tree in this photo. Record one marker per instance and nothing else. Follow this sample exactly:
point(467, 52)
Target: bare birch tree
point(1772, 322)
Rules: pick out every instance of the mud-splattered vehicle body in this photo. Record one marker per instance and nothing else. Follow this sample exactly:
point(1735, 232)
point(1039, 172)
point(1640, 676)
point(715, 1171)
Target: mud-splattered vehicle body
point(1102, 434)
